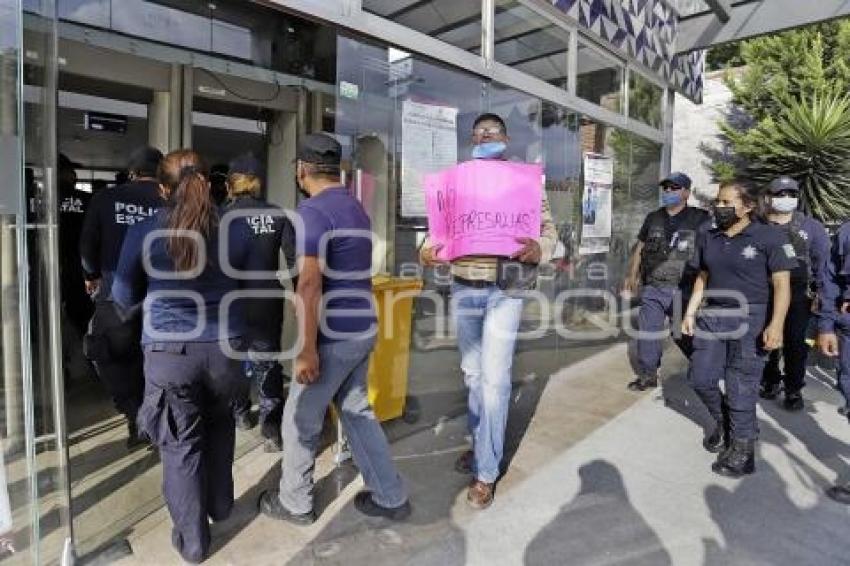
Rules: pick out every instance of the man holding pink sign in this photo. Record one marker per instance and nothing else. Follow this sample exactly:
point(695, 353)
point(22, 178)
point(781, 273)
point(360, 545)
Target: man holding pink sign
point(490, 219)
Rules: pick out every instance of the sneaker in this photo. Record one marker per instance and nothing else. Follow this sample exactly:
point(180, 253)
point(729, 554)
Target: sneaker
point(270, 506)
point(770, 390)
point(364, 503)
point(463, 465)
point(245, 421)
point(793, 401)
point(480, 494)
point(643, 382)
point(844, 411)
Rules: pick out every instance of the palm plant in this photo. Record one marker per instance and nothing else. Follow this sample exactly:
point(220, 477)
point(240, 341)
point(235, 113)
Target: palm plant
point(807, 138)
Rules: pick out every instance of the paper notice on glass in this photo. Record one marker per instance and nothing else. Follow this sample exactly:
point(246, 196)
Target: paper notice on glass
point(428, 145)
point(596, 204)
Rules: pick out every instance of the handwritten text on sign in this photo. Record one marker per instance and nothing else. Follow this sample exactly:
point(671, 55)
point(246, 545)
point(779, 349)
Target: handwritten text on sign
point(481, 207)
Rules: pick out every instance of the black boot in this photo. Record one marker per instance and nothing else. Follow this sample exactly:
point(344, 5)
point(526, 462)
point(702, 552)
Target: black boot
point(738, 460)
point(840, 493)
point(134, 440)
point(644, 382)
point(717, 440)
point(793, 401)
point(770, 390)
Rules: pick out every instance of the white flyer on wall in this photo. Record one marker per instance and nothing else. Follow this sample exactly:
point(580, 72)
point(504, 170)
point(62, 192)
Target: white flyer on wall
point(428, 144)
point(597, 204)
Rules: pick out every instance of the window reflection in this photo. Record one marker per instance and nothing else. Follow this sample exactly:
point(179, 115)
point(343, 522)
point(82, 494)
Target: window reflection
point(531, 43)
point(645, 100)
point(455, 22)
point(599, 78)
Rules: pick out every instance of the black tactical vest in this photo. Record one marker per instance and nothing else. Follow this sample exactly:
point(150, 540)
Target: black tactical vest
point(666, 253)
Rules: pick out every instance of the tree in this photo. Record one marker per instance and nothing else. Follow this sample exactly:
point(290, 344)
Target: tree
point(790, 115)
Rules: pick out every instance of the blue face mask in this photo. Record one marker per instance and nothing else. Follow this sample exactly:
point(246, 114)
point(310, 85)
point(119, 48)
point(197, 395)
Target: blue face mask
point(671, 199)
point(489, 150)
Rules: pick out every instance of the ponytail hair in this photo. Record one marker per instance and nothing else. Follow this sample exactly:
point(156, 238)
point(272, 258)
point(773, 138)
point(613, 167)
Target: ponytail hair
point(190, 206)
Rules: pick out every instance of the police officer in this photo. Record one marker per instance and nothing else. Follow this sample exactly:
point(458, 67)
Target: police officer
point(744, 279)
point(190, 380)
point(76, 306)
point(834, 313)
point(112, 342)
point(811, 246)
point(833, 320)
point(659, 262)
point(267, 232)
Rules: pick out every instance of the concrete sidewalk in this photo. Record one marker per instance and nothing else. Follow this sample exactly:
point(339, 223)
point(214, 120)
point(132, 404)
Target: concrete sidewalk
point(599, 476)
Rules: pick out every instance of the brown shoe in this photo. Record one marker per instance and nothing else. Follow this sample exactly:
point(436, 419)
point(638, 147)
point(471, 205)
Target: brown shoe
point(480, 494)
point(463, 465)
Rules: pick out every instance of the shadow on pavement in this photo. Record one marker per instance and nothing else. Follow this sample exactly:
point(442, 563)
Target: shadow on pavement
point(761, 524)
point(599, 526)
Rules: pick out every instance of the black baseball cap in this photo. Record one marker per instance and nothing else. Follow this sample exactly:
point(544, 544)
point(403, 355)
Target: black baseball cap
point(144, 161)
point(782, 184)
point(246, 164)
point(319, 149)
point(677, 178)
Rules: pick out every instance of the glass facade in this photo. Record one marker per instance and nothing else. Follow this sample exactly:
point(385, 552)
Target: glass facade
point(530, 43)
point(645, 100)
point(230, 77)
point(599, 78)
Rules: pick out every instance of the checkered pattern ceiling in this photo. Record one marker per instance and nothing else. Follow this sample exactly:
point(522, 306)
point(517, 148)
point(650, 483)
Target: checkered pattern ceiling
point(646, 31)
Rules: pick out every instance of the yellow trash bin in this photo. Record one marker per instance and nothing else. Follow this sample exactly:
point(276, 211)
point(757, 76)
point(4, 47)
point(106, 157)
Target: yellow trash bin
point(390, 360)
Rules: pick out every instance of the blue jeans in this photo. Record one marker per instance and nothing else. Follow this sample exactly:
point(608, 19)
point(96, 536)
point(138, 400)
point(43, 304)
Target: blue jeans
point(342, 379)
point(487, 321)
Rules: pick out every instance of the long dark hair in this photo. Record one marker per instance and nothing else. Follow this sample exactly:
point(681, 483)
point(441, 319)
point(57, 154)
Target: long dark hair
point(184, 174)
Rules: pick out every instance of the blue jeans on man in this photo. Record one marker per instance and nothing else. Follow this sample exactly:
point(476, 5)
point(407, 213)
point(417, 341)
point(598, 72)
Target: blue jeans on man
point(344, 366)
point(487, 320)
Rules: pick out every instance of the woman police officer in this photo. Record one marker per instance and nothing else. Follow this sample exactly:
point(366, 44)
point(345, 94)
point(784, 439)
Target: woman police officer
point(743, 276)
point(172, 262)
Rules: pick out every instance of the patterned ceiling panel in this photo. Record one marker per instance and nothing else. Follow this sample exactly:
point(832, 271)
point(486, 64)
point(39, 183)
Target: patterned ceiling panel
point(646, 31)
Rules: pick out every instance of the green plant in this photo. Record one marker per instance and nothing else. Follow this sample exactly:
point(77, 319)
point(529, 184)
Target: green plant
point(790, 115)
point(808, 139)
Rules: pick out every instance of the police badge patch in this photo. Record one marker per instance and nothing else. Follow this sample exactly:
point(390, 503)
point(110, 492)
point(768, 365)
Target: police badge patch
point(789, 250)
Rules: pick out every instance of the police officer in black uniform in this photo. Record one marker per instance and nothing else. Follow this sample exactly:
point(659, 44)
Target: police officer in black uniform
point(744, 268)
point(76, 307)
point(269, 232)
point(112, 342)
point(659, 262)
point(811, 245)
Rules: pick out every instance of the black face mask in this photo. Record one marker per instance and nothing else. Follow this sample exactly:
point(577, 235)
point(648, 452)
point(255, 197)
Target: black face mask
point(725, 217)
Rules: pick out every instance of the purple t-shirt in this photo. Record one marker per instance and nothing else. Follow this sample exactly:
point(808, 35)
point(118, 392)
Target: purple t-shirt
point(337, 232)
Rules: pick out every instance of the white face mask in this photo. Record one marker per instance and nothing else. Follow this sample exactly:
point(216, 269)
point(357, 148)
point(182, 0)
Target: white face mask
point(784, 204)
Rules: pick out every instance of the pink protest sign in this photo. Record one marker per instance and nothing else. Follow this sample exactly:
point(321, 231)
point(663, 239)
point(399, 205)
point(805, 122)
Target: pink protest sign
point(481, 207)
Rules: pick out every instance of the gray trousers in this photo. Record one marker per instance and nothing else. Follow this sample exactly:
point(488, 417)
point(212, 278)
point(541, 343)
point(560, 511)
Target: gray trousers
point(343, 366)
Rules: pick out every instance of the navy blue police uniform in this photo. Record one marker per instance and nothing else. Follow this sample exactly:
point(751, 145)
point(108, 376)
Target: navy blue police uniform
point(811, 246)
point(667, 278)
point(190, 381)
point(73, 204)
point(266, 232)
point(113, 340)
point(834, 303)
point(740, 266)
